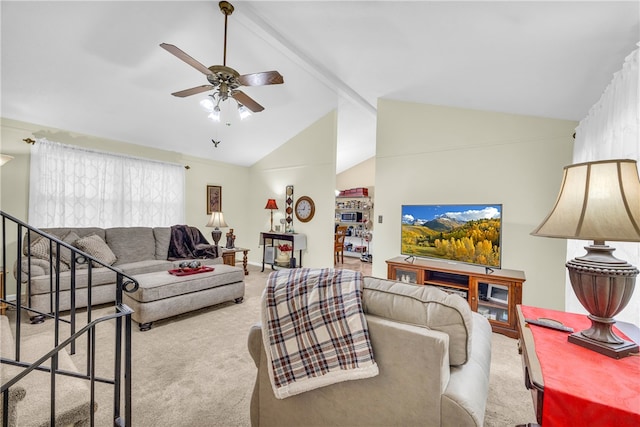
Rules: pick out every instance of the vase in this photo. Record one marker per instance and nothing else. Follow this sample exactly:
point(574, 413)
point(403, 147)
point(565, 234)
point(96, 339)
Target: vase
point(283, 258)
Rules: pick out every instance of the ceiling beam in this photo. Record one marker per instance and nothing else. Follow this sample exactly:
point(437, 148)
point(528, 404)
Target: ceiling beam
point(255, 23)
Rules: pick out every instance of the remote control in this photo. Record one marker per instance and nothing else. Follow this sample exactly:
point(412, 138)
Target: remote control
point(550, 325)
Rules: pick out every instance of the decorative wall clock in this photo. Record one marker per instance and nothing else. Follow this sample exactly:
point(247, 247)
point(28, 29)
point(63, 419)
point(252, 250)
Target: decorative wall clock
point(289, 207)
point(305, 209)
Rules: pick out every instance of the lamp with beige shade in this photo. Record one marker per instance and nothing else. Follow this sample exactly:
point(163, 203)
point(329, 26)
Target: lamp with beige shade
point(599, 201)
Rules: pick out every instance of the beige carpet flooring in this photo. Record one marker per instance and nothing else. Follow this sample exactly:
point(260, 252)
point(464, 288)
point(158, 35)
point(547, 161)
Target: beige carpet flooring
point(195, 370)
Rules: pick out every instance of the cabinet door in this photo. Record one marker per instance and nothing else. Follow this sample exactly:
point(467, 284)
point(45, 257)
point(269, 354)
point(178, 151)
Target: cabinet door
point(407, 275)
point(494, 299)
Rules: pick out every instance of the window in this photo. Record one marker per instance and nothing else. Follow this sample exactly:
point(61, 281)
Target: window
point(76, 187)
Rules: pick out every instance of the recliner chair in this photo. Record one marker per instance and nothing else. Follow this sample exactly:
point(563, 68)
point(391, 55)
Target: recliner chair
point(433, 355)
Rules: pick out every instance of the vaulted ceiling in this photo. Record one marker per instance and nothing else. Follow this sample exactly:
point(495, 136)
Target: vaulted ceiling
point(96, 67)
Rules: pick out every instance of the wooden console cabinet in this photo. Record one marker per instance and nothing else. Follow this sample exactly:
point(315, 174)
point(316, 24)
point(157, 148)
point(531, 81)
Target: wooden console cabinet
point(492, 293)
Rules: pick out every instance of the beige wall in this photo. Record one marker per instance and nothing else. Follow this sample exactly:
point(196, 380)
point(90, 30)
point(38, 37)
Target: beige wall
point(361, 175)
point(307, 162)
point(432, 154)
point(425, 154)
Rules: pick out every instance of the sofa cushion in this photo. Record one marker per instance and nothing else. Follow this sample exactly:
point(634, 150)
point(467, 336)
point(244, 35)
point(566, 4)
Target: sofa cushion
point(163, 239)
point(146, 266)
point(424, 306)
point(131, 244)
point(97, 248)
point(161, 285)
point(99, 276)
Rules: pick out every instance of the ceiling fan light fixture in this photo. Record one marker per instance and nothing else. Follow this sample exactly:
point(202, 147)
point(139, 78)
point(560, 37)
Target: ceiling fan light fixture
point(244, 112)
point(207, 104)
point(215, 114)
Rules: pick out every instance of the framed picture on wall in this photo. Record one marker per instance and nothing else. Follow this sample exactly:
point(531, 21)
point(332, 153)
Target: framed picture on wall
point(214, 198)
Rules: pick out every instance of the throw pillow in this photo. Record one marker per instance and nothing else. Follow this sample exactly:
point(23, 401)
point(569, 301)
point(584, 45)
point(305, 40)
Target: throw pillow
point(97, 248)
point(40, 248)
point(65, 253)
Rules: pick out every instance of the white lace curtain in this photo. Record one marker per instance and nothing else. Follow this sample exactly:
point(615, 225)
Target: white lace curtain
point(77, 187)
point(611, 130)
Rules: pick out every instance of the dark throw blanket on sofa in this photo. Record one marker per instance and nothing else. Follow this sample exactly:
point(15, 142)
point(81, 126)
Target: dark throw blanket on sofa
point(188, 242)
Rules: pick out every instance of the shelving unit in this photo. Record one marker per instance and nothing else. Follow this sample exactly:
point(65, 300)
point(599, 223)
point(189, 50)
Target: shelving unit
point(355, 213)
point(492, 293)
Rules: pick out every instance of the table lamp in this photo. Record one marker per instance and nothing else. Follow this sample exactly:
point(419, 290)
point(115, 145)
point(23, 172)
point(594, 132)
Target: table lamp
point(271, 205)
point(216, 220)
point(599, 201)
point(4, 158)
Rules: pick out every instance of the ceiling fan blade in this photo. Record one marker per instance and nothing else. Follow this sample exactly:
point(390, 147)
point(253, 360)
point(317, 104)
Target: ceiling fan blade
point(186, 58)
point(247, 101)
point(261, 79)
point(192, 91)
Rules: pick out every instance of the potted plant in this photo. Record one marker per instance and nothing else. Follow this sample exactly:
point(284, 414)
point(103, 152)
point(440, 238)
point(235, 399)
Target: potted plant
point(284, 254)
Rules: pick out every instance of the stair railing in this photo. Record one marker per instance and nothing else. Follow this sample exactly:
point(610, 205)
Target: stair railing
point(121, 379)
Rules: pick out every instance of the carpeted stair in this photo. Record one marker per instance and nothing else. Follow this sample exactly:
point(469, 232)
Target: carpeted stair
point(30, 398)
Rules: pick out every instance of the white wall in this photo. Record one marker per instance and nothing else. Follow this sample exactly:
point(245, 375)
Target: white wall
point(308, 162)
point(433, 154)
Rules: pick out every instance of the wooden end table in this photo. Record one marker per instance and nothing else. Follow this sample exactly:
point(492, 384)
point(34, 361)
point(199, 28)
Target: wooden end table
point(229, 257)
point(533, 380)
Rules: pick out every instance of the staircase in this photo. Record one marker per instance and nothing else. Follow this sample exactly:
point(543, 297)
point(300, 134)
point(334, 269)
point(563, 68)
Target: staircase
point(48, 372)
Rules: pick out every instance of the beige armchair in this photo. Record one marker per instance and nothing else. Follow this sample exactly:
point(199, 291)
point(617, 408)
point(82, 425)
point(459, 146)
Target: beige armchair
point(433, 355)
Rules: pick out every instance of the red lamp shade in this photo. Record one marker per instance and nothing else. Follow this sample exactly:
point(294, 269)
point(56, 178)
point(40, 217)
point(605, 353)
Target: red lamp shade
point(271, 204)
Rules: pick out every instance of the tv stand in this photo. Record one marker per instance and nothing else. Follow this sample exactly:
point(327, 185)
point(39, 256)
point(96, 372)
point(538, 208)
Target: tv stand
point(473, 283)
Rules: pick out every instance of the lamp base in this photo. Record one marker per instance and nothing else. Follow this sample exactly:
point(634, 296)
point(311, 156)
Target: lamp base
point(617, 351)
point(604, 285)
point(216, 234)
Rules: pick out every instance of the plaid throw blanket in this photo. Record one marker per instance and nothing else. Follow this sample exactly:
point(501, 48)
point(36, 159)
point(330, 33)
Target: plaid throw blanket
point(314, 330)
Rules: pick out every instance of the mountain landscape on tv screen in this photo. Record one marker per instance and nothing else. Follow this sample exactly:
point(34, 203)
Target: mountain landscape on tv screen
point(469, 234)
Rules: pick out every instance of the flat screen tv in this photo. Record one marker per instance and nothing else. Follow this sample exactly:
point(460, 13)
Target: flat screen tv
point(458, 233)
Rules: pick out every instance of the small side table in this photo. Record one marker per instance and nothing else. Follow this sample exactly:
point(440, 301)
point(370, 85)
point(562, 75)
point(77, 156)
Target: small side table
point(571, 385)
point(229, 257)
point(298, 243)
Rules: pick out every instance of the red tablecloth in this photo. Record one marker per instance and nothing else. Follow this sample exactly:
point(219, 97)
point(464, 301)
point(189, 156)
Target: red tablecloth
point(582, 387)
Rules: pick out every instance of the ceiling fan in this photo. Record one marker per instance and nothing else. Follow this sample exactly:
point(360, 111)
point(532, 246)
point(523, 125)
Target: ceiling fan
point(225, 80)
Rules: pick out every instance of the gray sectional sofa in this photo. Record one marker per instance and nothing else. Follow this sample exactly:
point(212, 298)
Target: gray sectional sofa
point(137, 252)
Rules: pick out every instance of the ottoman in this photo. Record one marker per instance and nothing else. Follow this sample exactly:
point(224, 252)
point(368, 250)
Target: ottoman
point(161, 295)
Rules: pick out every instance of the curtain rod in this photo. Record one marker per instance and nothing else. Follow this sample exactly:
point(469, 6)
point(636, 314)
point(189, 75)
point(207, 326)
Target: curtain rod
point(32, 142)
